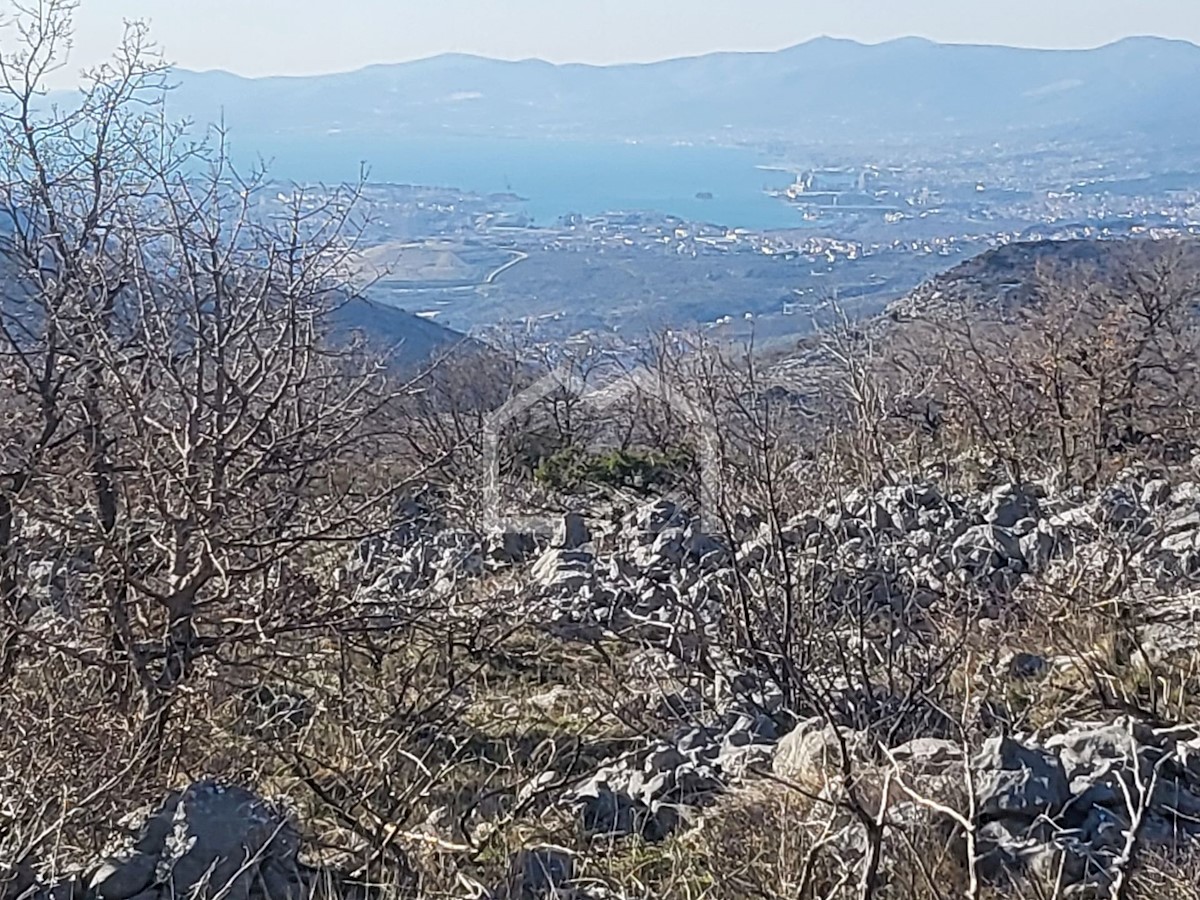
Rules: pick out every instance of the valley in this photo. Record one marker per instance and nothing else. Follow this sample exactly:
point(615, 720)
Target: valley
point(864, 230)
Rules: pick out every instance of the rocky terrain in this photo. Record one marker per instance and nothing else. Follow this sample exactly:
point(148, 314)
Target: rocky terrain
point(1071, 797)
point(1022, 786)
point(925, 630)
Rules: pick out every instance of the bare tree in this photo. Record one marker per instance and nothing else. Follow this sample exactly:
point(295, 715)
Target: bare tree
point(184, 430)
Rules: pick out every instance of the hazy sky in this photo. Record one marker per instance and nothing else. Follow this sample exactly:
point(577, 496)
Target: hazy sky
point(258, 37)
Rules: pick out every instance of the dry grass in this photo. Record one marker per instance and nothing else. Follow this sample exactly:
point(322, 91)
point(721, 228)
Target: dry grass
point(432, 734)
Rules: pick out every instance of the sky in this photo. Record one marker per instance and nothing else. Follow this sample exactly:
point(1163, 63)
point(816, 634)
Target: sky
point(295, 37)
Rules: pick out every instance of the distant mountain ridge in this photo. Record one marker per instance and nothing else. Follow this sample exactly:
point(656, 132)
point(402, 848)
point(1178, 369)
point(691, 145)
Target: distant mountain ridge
point(823, 88)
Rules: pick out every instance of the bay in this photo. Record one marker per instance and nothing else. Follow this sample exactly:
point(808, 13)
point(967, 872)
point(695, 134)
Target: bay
point(714, 185)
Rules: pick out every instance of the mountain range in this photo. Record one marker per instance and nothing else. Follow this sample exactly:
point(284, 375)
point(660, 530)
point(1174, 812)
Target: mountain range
point(823, 89)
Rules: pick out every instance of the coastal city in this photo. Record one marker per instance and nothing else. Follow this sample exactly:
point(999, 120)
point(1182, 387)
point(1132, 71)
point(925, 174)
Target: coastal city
point(865, 234)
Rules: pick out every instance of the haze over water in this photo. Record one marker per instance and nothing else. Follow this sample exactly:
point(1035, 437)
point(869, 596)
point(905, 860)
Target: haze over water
point(557, 177)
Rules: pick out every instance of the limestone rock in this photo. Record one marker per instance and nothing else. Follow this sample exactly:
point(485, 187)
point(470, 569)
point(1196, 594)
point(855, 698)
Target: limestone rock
point(810, 755)
point(1013, 781)
point(210, 840)
point(539, 873)
point(572, 532)
point(1012, 503)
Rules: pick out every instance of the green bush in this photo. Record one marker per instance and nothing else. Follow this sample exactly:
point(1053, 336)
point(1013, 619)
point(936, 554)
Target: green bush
point(573, 468)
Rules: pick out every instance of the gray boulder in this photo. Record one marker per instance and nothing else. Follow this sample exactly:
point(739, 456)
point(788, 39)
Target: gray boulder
point(572, 532)
point(563, 571)
point(1120, 509)
point(209, 840)
point(1036, 850)
point(1024, 666)
point(1156, 493)
point(1085, 749)
point(1186, 495)
point(1013, 781)
point(879, 521)
point(983, 549)
point(606, 811)
point(810, 754)
point(18, 879)
point(798, 531)
point(512, 547)
point(1044, 545)
point(929, 756)
point(1182, 543)
point(1011, 503)
point(652, 518)
point(539, 873)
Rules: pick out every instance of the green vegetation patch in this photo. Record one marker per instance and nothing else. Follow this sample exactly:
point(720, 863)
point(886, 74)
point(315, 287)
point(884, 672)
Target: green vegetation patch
point(648, 470)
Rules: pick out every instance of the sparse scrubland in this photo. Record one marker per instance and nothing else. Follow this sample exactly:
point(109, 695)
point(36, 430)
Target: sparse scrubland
point(910, 613)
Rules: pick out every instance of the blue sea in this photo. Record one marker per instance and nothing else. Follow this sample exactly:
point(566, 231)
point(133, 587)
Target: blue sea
point(557, 177)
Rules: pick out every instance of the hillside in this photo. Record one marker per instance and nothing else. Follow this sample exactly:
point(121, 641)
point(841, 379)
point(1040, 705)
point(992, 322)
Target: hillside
point(405, 339)
point(826, 87)
point(1007, 279)
point(877, 651)
point(590, 619)
point(409, 340)
point(580, 647)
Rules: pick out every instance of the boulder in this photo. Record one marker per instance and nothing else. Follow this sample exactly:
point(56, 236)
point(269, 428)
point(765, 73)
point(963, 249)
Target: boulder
point(1186, 496)
point(983, 549)
point(606, 812)
point(1013, 781)
point(1085, 747)
point(210, 840)
point(740, 761)
point(572, 532)
point(1011, 503)
point(1156, 493)
point(798, 531)
point(810, 754)
point(1182, 522)
point(563, 571)
point(652, 518)
point(1007, 848)
point(1044, 545)
point(1182, 543)
point(1025, 666)
point(879, 521)
point(512, 547)
point(1121, 510)
point(703, 548)
point(539, 873)
point(18, 880)
point(667, 549)
point(48, 590)
point(929, 756)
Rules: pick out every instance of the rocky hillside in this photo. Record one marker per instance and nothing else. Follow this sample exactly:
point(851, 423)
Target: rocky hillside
point(1051, 759)
point(925, 627)
point(1007, 279)
point(1055, 789)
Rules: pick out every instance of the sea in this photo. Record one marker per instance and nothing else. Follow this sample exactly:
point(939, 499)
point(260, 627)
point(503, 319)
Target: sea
point(699, 183)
